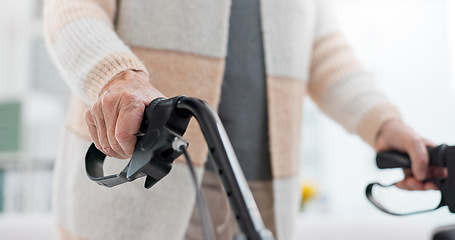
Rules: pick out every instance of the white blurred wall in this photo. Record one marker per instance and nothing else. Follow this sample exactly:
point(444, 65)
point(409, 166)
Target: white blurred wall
point(29, 78)
point(406, 45)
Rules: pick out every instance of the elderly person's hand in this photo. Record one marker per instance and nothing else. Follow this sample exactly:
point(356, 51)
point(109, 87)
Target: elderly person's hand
point(395, 135)
point(114, 120)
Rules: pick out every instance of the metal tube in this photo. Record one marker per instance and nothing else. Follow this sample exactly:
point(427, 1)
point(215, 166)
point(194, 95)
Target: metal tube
point(227, 166)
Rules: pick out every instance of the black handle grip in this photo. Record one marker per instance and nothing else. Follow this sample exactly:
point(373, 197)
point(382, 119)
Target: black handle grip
point(395, 159)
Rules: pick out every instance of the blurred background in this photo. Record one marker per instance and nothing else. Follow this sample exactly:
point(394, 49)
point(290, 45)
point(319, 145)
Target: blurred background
point(407, 45)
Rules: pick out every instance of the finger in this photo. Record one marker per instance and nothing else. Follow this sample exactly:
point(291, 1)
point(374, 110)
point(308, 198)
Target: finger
point(419, 158)
point(402, 185)
point(110, 114)
point(98, 116)
point(437, 172)
point(441, 172)
point(413, 184)
point(407, 172)
point(128, 124)
point(430, 186)
point(90, 122)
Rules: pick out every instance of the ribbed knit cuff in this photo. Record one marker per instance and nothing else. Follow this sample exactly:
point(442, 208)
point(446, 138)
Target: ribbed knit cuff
point(373, 120)
point(106, 69)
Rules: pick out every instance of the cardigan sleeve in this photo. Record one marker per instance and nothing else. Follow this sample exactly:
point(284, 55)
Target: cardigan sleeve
point(82, 42)
point(341, 87)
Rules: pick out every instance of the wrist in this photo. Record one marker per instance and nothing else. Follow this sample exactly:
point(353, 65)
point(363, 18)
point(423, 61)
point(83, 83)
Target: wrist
point(123, 77)
point(384, 129)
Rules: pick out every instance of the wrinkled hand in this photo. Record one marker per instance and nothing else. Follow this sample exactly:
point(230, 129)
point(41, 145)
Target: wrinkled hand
point(114, 120)
point(395, 135)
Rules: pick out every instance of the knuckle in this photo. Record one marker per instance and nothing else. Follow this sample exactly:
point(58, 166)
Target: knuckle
point(421, 161)
point(413, 143)
point(130, 97)
point(102, 100)
point(417, 145)
point(416, 142)
point(107, 100)
point(90, 122)
point(87, 114)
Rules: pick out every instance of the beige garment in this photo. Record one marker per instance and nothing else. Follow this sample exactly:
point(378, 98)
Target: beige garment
point(224, 223)
point(182, 47)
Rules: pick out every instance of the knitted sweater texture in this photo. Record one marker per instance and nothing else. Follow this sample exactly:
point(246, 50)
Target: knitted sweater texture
point(182, 46)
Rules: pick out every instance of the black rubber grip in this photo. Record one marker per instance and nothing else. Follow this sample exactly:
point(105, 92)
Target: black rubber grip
point(393, 159)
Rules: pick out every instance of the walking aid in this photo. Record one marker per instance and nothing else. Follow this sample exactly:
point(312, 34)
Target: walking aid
point(443, 156)
point(160, 142)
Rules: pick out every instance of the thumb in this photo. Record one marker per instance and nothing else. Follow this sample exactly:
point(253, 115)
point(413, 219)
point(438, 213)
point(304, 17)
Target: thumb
point(418, 153)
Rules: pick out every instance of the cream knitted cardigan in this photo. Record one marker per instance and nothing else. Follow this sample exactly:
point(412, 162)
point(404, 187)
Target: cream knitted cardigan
point(182, 46)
